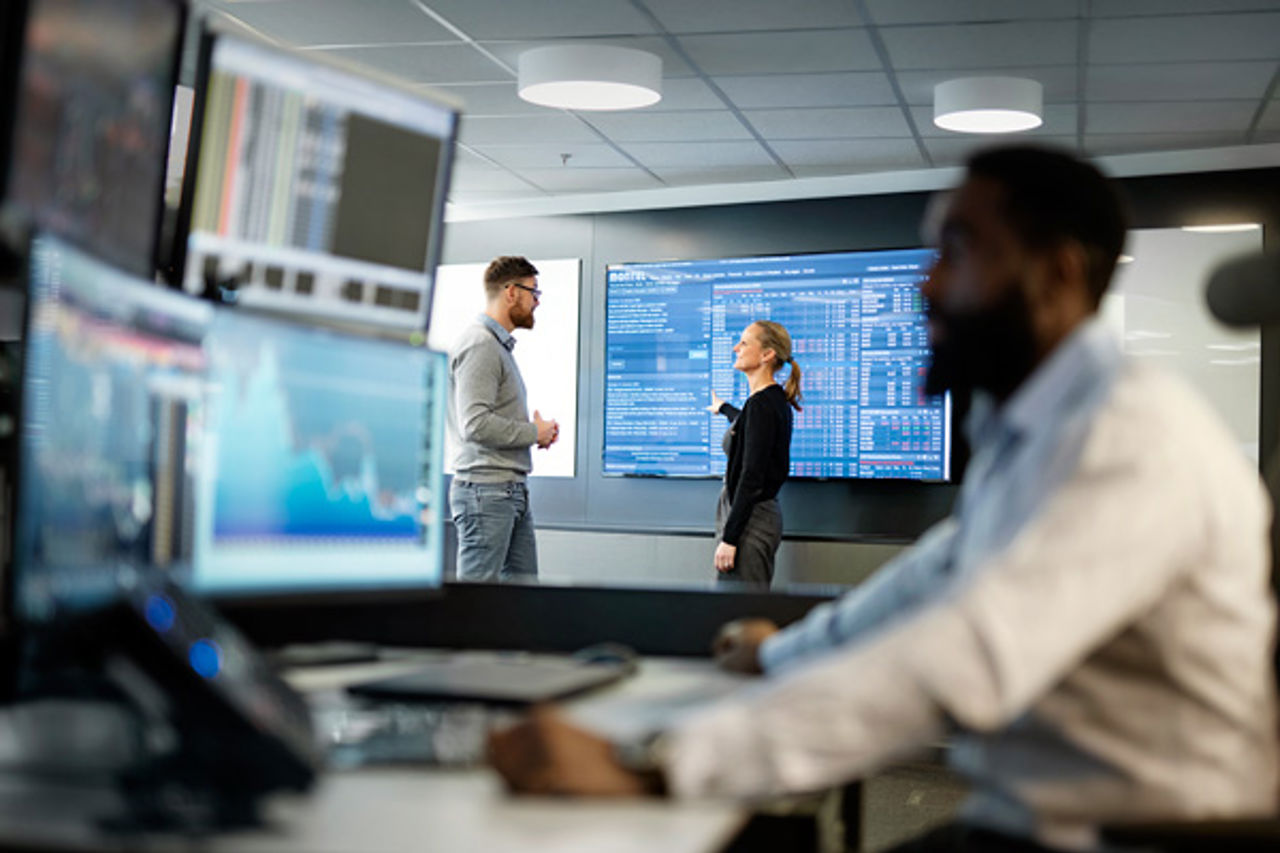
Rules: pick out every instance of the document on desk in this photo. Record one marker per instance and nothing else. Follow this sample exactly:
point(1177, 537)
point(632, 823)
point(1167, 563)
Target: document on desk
point(663, 692)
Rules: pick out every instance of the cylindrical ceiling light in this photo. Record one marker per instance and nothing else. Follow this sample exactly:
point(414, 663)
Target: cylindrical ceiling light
point(988, 104)
point(590, 77)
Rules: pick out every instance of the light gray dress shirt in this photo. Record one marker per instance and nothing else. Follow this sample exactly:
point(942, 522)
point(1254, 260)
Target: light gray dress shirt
point(1091, 628)
point(488, 424)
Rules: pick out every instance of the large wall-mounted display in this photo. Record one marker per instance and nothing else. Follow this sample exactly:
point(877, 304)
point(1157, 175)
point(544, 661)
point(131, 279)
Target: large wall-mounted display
point(858, 331)
point(547, 354)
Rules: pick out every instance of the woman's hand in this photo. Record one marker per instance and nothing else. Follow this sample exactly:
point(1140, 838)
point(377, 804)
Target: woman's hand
point(724, 556)
point(716, 403)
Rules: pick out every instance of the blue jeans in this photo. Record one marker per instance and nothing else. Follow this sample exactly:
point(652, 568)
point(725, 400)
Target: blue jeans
point(495, 531)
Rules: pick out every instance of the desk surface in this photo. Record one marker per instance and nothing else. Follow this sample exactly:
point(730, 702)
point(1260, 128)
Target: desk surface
point(393, 809)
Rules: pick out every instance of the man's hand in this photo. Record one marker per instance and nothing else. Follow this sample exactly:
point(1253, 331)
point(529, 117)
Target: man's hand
point(546, 755)
point(716, 403)
point(724, 557)
point(737, 645)
point(548, 431)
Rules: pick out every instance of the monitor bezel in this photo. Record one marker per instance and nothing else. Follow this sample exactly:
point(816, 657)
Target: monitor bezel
point(950, 409)
point(210, 34)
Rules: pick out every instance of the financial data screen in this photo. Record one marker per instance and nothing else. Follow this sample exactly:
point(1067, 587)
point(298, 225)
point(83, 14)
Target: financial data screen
point(92, 124)
point(316, 190)
point(323, 458)
point(857, 326)
point(235, 453)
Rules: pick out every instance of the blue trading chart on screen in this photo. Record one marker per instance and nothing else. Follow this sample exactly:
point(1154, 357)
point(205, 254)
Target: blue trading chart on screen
point(320, 448)
point(858, 331)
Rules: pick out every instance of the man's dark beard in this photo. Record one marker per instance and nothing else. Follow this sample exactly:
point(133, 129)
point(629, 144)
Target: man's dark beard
point(993, 349)
point(523, 319)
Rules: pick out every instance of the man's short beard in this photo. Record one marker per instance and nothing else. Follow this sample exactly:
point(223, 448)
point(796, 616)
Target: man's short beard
point(993, 349)
point(522, 320)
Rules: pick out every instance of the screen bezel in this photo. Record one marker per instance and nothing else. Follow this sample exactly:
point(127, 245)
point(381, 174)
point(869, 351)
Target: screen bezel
point(949, 411)
point(175, 272)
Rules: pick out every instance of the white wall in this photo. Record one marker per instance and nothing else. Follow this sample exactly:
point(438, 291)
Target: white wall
point(582, 558)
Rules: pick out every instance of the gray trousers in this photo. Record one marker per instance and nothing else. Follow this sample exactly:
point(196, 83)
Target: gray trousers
point(753, 563)
point(495, 531)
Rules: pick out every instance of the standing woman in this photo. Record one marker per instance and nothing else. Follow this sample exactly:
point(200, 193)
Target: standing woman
point(758, 444)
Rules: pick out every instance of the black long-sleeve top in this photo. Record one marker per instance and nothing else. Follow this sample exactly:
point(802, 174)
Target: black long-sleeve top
point(759, 455)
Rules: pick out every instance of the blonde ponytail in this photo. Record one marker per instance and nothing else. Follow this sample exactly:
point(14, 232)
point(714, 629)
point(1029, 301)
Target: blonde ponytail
point(774, 336)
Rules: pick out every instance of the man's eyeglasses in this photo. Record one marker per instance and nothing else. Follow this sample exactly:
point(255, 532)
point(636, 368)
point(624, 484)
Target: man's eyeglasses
point(537, 294)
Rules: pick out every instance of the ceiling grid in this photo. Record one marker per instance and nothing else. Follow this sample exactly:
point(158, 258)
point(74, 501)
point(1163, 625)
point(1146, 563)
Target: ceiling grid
point(756, 91)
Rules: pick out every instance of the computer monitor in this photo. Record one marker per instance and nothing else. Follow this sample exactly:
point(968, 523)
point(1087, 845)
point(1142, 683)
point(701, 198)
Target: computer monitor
point(857, 327)
point(93, 99)
point(312, 188)
point(238, 455)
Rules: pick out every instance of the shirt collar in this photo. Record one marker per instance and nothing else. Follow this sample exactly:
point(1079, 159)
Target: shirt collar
point(1088, 355)
point(504, 337)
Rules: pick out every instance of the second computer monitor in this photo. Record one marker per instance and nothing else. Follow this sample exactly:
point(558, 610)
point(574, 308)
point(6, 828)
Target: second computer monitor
point(92, 103)
point(236, 455)
point(314, 189)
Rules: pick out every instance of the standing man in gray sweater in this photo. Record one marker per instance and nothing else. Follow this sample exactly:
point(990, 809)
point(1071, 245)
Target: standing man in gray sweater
point(490, 427)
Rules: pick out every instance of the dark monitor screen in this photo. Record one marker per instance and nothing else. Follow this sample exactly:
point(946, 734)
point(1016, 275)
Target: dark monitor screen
point(91, 129)
point(313, 188)
point(237, 454)
point(857, 326)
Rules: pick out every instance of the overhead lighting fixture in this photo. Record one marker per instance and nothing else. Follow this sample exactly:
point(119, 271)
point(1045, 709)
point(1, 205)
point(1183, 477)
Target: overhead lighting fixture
point(988, 104)
point(590, 77)
point(1222, 229)
point(1124, 259)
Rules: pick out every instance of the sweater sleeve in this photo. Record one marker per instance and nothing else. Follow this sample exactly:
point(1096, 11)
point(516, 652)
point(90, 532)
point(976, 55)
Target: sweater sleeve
point(477, 371)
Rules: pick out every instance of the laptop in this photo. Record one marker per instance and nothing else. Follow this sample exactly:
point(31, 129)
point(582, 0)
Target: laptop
point(497, 679)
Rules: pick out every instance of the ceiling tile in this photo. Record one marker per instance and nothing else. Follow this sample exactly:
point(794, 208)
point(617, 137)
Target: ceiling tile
point(856, 155)
point(722, 175)
point(967, 46)
point(688, 155)
point(451, 63)
point(643, 126)
point(800, 52)
point(491, 99)
point(503, 19)
point(549, 155)
point(687, 93)
point(672, 64)
point(1133, 143)
point(1129, 8)
point(1180, 81)
point(1059, 81)
point(348, 22)
point(724, 16)
point(592, 180)
point(849, 123)
point(955, 149)
point(958, 11)
point(1185, 39)
point(560, 127)
point(1059, 120)
point(485, 178)
point(1171, 117)
point(846, 89)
